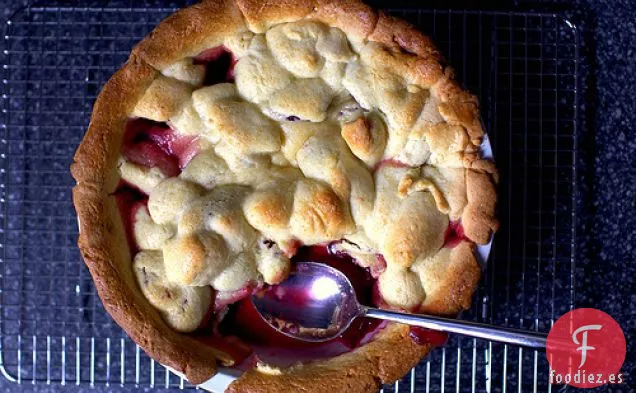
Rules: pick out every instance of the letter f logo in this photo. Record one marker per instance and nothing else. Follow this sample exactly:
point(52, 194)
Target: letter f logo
point(584, 347)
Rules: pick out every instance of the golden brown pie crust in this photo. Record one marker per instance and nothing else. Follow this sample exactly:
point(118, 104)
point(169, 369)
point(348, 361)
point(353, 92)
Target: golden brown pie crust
point(102, 240)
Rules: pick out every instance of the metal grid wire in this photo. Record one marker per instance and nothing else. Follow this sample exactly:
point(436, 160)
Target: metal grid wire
point(53, 328)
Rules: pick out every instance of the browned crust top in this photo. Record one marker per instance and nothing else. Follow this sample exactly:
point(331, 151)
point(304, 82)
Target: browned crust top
point(102, 241)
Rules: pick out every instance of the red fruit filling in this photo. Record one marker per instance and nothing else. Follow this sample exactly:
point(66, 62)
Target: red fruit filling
point(224, 299)
point(390, 162)
point(454, 234)
point(156, 145)
point(129, 201)
point(423, 336)
point(376, 268)
point(219, 65)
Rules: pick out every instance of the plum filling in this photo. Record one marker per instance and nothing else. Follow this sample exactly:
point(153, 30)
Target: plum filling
point(152, 144)
point(454, 234)
point(224, 299)
point(129, 201)
point(423, 336)
point(219, 65)
point(275, 348)
point(390, 162)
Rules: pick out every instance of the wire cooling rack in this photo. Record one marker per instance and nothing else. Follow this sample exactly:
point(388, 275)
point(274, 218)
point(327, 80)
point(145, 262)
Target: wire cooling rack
point(523, 66)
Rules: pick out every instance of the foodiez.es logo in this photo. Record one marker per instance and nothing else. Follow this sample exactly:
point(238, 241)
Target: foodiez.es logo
point(586, 348)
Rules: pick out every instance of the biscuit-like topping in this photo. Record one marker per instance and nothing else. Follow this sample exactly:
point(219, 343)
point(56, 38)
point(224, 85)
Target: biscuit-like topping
point(163, 99)
point(319, 139)
point(183, 307)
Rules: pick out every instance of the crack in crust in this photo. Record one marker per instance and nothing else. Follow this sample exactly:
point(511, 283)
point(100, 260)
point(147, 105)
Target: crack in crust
point(102, 240)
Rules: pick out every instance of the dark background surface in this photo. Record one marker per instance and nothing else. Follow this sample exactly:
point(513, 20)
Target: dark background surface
point(606, 249)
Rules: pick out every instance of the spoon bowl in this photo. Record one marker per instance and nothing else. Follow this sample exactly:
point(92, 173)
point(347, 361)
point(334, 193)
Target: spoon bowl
point(318, 303)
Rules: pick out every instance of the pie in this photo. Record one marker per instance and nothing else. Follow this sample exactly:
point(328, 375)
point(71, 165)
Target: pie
point(241, 136)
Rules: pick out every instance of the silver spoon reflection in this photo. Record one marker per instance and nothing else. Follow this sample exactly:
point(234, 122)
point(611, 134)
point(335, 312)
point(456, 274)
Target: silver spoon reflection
point(318, 303)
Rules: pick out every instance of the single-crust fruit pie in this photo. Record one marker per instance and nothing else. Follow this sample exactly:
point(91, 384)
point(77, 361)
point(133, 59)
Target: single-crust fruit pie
point(242, 136)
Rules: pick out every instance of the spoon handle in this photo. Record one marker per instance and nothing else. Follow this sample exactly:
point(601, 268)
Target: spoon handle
point(506, 335)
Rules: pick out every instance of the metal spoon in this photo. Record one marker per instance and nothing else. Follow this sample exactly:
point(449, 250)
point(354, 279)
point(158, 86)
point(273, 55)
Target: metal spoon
point(317, 303)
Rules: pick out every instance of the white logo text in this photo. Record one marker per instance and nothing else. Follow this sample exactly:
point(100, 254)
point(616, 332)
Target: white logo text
point(584, 347)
